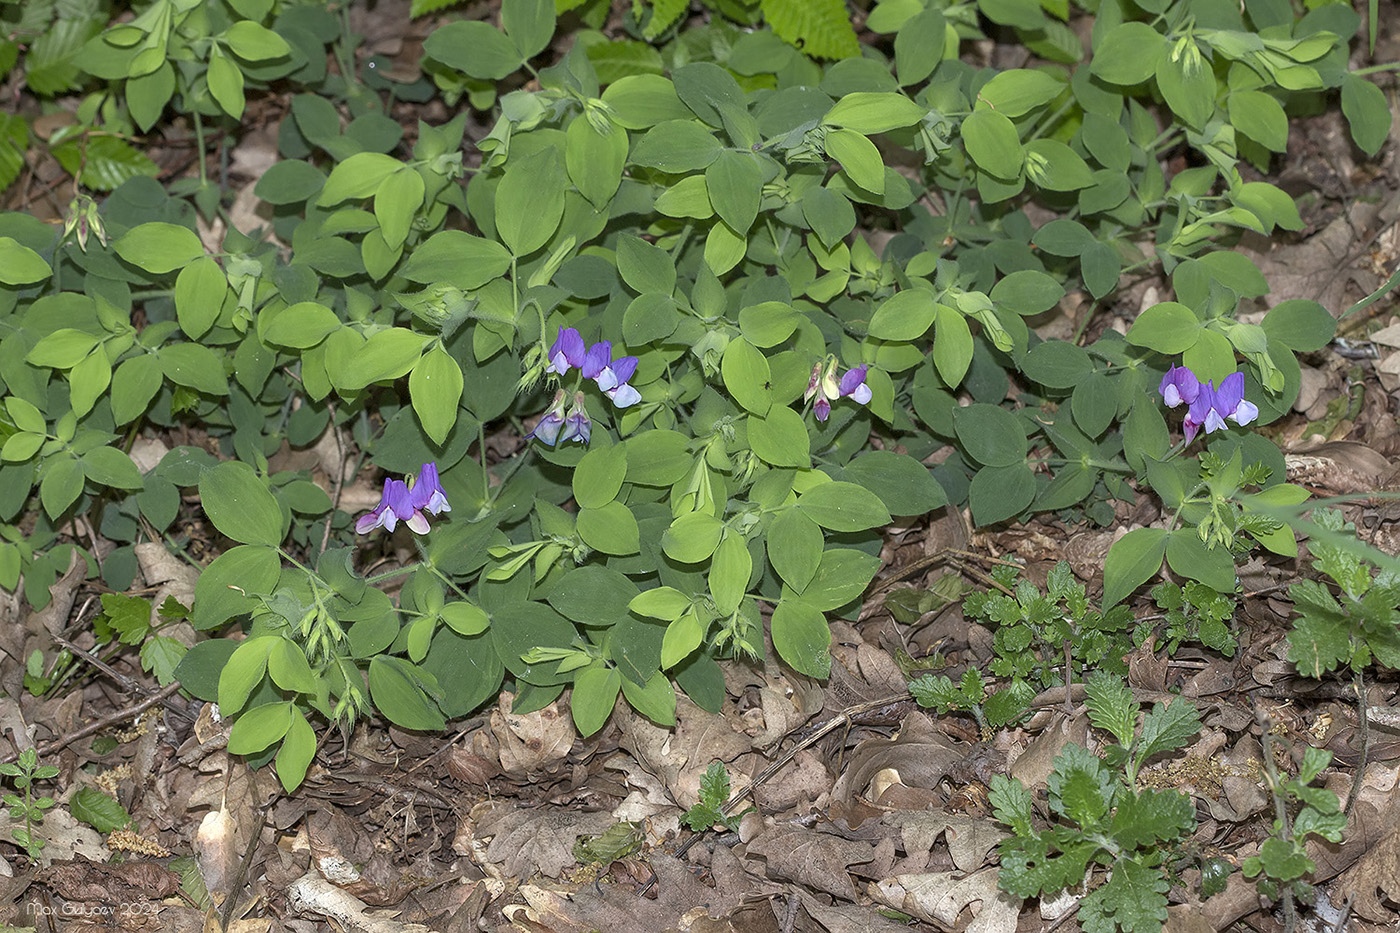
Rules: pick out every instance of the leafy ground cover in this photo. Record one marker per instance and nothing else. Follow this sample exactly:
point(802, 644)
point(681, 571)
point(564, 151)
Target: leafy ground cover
point(554, 465)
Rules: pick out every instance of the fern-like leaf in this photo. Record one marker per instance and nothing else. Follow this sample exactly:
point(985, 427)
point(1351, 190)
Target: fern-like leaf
point(424, 7)
point(821, 28)
point(105, 161)
point(664, 14)
point(14, 138)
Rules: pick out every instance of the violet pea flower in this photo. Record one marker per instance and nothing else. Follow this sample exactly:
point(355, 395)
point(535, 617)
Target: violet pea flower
point(1179, 385)
point(568, 351)
point(552, 423)
point(394, 506)
point(402, 503)
point(613, 381)
point(1211, 408)
point(577, 426)
point(853, 384)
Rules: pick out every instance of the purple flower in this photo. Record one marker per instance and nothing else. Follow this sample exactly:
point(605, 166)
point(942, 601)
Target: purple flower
point(1212, 406)
point(568, 351)
point(1179, 385)
point(853, 384)
point(597, 359)
point(824, 385)
point(613, 379)
point(426, 493)
point(394, 507)
point(552, 423)
point(577, 426)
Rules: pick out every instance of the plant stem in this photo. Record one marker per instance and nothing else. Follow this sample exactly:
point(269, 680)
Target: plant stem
point(1363, 731)
point(1285, 831)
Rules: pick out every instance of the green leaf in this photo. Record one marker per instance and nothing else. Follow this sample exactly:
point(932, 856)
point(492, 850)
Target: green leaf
point(1190, 558)
point(290, 181)
point(397, 688)
point(747, 376)
point(1000, 492)
point(611, 529)
point(904, 485)
point(1017, 91)
point(103, 813)
point(842, 576)
point(595, 159)
point(530, 201)
point(906, 315)
point(1111, 706)
point(435, 388)
point(952, 345)
point(1260, 117)
point(1188, 86)
point(1128, 54)
point(1133, 898)
point(730, 569)
point(595, 693)
point(802, 637)
point(396, 203)
point(297, 751)
point(62, 349)
point(645, 267)
point(240, 505)
point(1367, 112)
point(659, 458)
point(870, 112)
point(288, 667)
point(20, 265)
point(843, 507)
point(1300, 325)
point(991, 435)
point(993, 144)
point(829, 214)
point(598, 476)
point(529, 24)
point(225, 83)
point(1167, 327)
point(821, 28)
point(1167, 728)
point(858, 157)
point(692, 537)
point(195, 366)
point(200, 289)
point(734, 182)
point(795, 545)
point(920, 44)
point(457, 258)
point(474, 48)
point(1132, 560)
point(768, 323)
point(255, 43)
point(259, 728)
point(677, 146)
point(61, 486)
point(159, 247)
point(110, 466)
point(780, 439)
point(300, 326)
point(357, 178)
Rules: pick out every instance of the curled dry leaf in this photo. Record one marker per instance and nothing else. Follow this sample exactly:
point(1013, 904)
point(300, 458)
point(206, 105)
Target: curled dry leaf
point(1375, 875)
point(680, 756)
point(527, 841)
point(532, 742)
point(969, 839)
point(920, 753)
point(941, 897)
point(811, 858)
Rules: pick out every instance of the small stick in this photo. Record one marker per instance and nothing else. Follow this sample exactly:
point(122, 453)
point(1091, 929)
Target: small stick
point(121, 715)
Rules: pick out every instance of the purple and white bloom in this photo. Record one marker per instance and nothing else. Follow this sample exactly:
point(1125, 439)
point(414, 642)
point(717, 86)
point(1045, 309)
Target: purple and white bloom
point(577, 426)
point(853, 384)
point(1179, 385)
point(1211, 408)
point(552, 423)
point(613, 379)
point(597, 359)
point(426, 493)
point(825, 386)
point(394, 506)
point(568, 351)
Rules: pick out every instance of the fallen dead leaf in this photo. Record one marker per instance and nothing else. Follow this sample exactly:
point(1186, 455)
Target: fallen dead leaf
point(529, 841)
point(531, 742)
point(941, 897)
point(811, 858)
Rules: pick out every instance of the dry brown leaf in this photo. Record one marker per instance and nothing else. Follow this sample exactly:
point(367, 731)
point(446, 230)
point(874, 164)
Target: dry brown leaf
point(541, 840)
point(680, 757)
point(940, 897)
point(681, 901)
point(968, 839)
point(920, 753)
point(847, 918)
point(1033, 766)
point(811, 858)
point(530, 743)
point(1376, 871)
